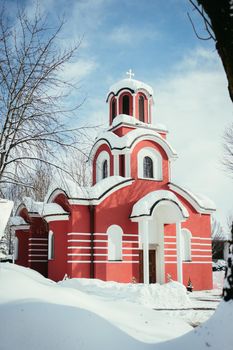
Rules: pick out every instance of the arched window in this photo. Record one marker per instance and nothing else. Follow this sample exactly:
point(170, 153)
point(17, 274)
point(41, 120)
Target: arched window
point(114, 233)
point(113, 108)
point(51, 246)
point(186, 245)
point(141, 103)
point(16, 248)
point(105, 169)
point(150, 164)
point(125, 104)
point(148, 168)
point(102, 166)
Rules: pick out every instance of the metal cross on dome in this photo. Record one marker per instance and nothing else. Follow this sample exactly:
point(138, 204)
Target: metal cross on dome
point(130, 73)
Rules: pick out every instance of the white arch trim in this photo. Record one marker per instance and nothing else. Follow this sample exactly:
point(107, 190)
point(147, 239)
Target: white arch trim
point(156, 159)
point(130, 140)
point(145, 206)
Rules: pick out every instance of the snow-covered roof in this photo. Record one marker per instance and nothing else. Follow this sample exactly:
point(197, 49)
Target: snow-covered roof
point(93, 193)
point(131, 84)
point(17, 221)
point(42, 208)
point(129, 120)
point(145, 205)
point(200, 202)
point(119, 143)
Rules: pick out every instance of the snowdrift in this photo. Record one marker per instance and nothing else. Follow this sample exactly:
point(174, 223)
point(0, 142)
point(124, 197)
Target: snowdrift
point(37, 313)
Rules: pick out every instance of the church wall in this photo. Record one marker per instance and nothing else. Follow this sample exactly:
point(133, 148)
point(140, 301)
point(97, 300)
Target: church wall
point(22, 236)
point(199, 274)
point(38, 245)
point(57, 267)
point(123, 130)
point(78, 242)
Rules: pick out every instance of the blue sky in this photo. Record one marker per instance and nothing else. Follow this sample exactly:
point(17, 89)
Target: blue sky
point(155, 39)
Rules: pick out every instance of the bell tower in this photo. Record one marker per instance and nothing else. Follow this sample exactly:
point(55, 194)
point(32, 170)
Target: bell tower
point(131, 98)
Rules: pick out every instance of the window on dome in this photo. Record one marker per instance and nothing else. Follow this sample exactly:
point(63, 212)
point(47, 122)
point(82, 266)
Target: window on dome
point(125, 104)
point(113, 108)
point(105, 169)
point(51, 246)
point(186, 245)
point(114, 233)
point(141, 103)
point(148, 168)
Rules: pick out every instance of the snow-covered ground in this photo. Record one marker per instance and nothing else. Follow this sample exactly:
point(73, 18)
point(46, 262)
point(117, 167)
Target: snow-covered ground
point(36, 314)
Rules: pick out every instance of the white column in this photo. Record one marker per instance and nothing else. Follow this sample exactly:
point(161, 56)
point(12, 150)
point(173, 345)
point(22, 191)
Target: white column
point(117, 105)
point(179, 254)
point(116, 164)
point(148, 111)
point(146, 252)
point(134, 105)
point(127, 165)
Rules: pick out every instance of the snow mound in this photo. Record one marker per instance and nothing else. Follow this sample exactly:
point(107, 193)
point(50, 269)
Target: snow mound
point(171, 295)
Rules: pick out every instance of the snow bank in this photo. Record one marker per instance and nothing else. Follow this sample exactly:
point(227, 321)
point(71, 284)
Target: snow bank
point(64, 317)
point(171, 295)
point(37, 314)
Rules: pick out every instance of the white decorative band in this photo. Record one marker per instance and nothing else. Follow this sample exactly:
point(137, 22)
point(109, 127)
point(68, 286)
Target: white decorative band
point(189, 262)
point(40, 244)
point(102, 262)
point(37, 239)
point(45, 261)
point(43, 255)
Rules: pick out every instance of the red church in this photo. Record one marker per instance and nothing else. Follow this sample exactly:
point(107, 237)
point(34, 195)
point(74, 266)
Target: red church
point(133, 223)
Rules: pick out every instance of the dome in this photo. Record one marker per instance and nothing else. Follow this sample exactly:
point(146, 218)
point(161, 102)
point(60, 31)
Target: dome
point(131, 84)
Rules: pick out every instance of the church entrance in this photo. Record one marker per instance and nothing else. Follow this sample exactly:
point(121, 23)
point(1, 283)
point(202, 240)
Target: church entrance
point(152, 266)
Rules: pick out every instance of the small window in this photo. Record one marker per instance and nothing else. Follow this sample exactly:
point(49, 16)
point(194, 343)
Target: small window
point(114, 233)
point(113, 108)
point(141, 103)
point(148, 168)
point(125, 104)
point(105, 169)
point(186, 245)
point(51, 246)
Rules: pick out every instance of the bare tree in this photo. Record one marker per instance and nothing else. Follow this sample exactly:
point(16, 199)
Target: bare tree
point(218, 20)
point(217, 238)
point(35, 124)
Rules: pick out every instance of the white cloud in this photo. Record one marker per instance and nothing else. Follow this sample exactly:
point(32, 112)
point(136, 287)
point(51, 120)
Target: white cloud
point(193, 102)
point(74, 71)
point(126, 35)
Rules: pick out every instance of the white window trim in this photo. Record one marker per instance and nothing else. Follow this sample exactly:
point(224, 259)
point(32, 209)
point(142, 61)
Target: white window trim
point(51, 235)
point(104, 155)
point(157, 163)
point(186, 239)
point(16, 248)
point(115, 234)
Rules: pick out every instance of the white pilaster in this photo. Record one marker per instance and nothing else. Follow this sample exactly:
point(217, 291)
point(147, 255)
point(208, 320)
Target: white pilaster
point(127, 165)
point(146, 252)
point(179, 254)
point(116, 164)
point(117, 105)
point(134, 105)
